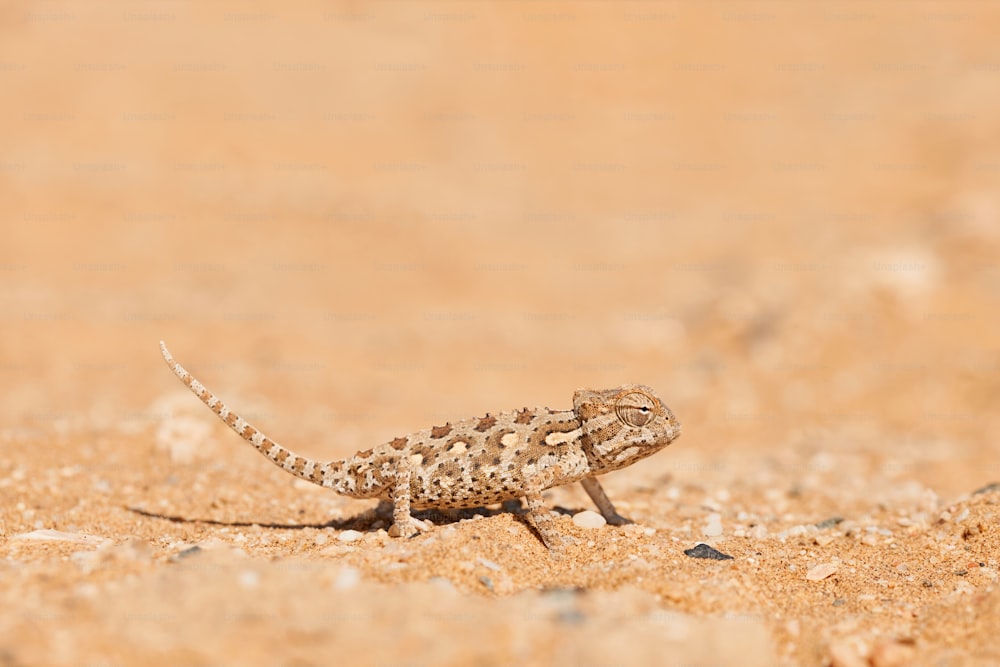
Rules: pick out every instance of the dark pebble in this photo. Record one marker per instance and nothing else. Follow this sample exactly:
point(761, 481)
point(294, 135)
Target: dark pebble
point(702, 550)
point(838, 602)
point(961, 573)
point(829, 523)
point(571, 616)
point(190, 551)
point(995, 486)
point(486, 581)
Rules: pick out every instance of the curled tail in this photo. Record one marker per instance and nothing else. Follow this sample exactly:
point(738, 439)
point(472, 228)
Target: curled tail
point(322, 473)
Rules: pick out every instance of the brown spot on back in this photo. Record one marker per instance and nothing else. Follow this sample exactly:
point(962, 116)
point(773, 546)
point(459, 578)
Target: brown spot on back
point(299, 465)
point(281, 456)
point(365, 454)
point(317, 474)
point(441, 431)
point(524, 416)
point(493, 440)
point(399, 443)
point(486, 423)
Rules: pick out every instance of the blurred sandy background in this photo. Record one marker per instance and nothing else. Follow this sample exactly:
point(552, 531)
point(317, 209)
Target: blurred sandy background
point(355, 220)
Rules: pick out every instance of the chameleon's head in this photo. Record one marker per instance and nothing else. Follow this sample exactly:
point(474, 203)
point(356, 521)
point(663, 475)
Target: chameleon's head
point(623, 425)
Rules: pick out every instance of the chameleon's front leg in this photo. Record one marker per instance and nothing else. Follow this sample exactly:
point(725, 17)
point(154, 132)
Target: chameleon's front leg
point(540, 516)
point(596, 493)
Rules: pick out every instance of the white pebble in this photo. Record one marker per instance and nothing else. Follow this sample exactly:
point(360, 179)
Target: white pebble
point(349, 536)
point(490, 564)
point(713, 528)
point(588, 519)
point(48, 534)
point(249, 579)
point(823, 540)
point(821, 571)
point(346, 579)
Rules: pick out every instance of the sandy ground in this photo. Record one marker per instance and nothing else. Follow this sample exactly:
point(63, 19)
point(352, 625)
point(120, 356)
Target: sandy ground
point(354, 220)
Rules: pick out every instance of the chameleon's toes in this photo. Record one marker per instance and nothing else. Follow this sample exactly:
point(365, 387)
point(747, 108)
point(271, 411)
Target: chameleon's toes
point(407, 529)
point(557, 544)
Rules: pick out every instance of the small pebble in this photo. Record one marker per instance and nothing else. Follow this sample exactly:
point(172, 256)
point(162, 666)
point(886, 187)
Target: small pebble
point(713, 527)
point(346, 579)
point(892, 654)
point(823, 540)
point(588, 519)
point(821, 571)
point(832, 522)
point(47, 534)
point(187, 553)
point(349, 536)
point(702, 550)
point(490, 564)
point(249, 579)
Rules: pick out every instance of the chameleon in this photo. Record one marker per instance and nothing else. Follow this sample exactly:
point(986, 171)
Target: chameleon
point(490, 459)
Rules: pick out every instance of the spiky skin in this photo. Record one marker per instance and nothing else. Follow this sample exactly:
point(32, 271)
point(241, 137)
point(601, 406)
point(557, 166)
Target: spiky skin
point(488, 459)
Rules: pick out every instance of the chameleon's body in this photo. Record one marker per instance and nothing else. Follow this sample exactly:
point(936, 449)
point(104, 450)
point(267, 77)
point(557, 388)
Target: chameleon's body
point(490, 459)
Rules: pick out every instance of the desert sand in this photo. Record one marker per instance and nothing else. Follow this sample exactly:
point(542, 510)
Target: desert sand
point(356, 220)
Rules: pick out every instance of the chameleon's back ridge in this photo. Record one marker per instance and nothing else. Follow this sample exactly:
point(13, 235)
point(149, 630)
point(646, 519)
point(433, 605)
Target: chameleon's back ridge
point(484, 460)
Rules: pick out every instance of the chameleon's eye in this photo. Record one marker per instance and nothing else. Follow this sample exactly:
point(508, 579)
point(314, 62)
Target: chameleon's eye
point(635, 409)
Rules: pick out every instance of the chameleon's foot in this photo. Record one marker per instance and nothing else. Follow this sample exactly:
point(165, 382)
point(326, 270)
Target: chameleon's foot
point(403, 529)
point(544, 524)
point(617, 519)
point(409, 527)
point(596, 493)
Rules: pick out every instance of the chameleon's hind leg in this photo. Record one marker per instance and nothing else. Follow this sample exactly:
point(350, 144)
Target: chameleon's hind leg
point(403, 524)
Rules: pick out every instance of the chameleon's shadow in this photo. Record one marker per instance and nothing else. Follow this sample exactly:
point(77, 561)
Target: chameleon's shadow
point(363, 521)
point(339, 524)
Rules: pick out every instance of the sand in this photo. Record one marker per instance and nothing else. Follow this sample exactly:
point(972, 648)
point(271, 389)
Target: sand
point(353, 221)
